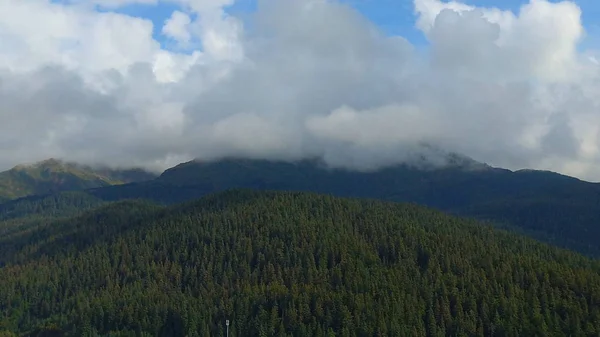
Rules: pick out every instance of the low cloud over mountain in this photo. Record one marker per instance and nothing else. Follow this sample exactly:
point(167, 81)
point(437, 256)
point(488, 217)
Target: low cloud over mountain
point(83, 81)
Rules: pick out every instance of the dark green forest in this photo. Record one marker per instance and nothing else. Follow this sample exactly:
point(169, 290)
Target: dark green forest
point(547, 206)
point(283, 264)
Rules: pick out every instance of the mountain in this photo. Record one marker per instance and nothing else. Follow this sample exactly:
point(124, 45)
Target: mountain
point(289, 264)
point(53, 175)
point(548, 206)
point(554, 208)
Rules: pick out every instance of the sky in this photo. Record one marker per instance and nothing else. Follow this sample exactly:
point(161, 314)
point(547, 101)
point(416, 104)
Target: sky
point(361, 84)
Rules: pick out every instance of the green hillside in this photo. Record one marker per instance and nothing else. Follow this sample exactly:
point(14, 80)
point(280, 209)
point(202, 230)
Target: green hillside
point(290, 264)
point(554, 208)
point(557, 209)
point(22, 215)
point(54, 175)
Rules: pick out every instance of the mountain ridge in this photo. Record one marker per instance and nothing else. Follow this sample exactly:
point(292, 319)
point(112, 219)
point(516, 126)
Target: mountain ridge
point(559, 209)
point(548, 206)
point(55, 175)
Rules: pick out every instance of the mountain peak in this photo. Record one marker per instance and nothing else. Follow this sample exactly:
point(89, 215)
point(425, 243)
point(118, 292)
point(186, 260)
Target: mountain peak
point(50, 162)
point(52, 175)
point(431, 157)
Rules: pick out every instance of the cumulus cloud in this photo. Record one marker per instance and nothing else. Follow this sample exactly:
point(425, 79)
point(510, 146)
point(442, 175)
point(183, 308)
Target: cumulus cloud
point(300, 78)
point(177, 27)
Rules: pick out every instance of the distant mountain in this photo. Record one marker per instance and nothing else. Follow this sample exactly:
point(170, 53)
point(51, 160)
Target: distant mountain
point(554, 208)
point(288, 264)
point(54, 175)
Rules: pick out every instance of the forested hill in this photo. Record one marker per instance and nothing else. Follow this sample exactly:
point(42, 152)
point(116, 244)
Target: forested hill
point(290, 264)
point(54, 175)
point(554, 208)
point(551, 207)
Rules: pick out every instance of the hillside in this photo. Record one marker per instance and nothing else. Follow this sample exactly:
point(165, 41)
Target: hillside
point(548, 206)
point(554, 208)
point(53, 175)
point(291, 264)
point(22, 215)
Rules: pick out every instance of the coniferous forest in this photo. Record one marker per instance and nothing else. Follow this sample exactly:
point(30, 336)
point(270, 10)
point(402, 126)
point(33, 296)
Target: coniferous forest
point(299, 168)
point(282, 264)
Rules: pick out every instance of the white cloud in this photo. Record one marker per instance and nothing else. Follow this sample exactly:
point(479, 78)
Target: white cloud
point(306, 78)
point(177, 27)
point(540, 43)
point(220, 33)
point(428, 10)
point(39, 33)
point(387, 125)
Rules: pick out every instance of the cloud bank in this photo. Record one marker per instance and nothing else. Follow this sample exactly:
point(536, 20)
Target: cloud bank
point(299, 78)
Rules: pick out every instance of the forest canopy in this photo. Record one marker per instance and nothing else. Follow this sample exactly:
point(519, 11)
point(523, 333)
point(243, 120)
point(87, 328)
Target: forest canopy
point(289, 264)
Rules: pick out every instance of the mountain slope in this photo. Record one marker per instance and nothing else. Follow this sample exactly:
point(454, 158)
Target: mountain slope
point(555, 208)
point(443, 187)
point(54, 175)
point(294, 264)
point(23, 215)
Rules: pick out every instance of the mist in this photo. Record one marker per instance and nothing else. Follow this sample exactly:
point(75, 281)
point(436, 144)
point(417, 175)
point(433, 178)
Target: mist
point(298, 79)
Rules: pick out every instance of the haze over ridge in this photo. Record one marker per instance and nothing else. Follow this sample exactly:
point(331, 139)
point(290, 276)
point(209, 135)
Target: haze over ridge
point(298, 79)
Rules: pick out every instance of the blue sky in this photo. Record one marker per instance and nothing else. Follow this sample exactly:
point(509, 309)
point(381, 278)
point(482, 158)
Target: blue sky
point(395, 17)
